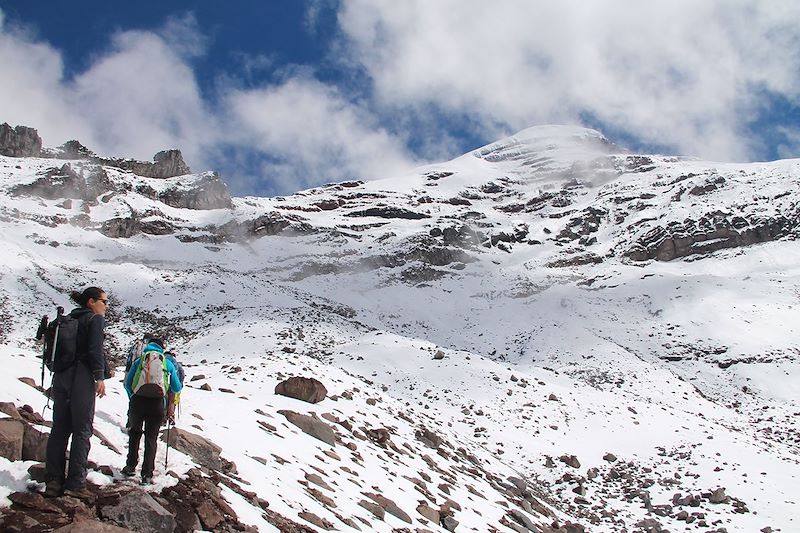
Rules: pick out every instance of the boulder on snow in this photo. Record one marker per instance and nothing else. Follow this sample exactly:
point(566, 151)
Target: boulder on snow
point(203, 451)
point(570, 460)
point(389, 506)
point(306, 389)
point(428, 512)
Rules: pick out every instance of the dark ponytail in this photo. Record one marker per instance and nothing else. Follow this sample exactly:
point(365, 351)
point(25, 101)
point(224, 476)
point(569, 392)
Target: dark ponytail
point(89, 293)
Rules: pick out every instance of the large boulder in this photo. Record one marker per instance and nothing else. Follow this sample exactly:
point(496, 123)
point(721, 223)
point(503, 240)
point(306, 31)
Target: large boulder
point(203, 451)
point(20, 141)
point(12, 433)
point(138, 511)
point(306, 389)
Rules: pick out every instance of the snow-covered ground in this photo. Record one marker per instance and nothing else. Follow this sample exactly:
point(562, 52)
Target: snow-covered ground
point(686, 371)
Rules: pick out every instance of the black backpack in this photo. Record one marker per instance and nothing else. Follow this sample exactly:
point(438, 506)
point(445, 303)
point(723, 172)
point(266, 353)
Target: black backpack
point(60, 341)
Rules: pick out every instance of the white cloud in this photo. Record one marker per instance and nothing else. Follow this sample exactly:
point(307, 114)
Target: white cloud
point(310, 134)
point(688, 73)
point(141, 95)
point(137, 98)
point(790, 147)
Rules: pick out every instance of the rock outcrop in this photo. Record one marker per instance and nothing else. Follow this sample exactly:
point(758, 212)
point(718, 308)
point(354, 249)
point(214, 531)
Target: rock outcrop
point(207, 192)
point(194, 503)
point(67, 182)
point(20, 141)
point(166, 164)
point(714, 231)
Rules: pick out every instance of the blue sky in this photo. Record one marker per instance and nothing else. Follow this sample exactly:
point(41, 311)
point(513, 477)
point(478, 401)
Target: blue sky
point(283, 95)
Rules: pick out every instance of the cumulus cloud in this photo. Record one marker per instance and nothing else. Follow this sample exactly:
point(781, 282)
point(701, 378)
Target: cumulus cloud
point(141, 95)
point(790, 147)
point(138, 97)
point(308, 133)
point(407, 80)
point(685, 73)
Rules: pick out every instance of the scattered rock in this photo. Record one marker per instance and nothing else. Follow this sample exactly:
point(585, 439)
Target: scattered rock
point(428, 438)
point(428, 512)
point(317, 521)
point(376, 510)
point(570, 460)
point(718, 496)
point(389, 506)
point(312, 426)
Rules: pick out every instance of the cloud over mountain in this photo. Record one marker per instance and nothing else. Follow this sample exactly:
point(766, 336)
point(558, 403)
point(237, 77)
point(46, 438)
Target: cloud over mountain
point(399, 83)
point(689, 75)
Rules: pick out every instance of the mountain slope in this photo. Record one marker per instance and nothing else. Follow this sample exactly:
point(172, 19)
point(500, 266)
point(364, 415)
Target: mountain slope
point(543, 297)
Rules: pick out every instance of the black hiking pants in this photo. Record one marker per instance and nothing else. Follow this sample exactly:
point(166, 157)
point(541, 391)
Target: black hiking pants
point(147, 412)
point(73, 414)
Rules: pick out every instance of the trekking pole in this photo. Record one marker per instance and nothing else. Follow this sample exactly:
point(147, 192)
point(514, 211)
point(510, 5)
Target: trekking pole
point(166, 455)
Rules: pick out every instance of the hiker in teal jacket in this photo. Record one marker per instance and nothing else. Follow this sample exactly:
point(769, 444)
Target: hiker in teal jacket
point(148, 410)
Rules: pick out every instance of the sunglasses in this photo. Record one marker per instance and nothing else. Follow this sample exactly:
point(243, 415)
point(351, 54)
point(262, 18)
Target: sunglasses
point(104, 300)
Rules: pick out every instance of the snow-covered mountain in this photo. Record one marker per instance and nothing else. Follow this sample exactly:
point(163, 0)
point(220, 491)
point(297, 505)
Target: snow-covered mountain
point(546, 331)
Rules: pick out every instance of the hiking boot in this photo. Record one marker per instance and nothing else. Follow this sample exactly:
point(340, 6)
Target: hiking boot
point(128, 471)
point(82, 493)
point(53, 489)
point(147, 480)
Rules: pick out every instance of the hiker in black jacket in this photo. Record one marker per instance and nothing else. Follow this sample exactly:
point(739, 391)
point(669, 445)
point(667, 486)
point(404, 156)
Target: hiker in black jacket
point(73, 393)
